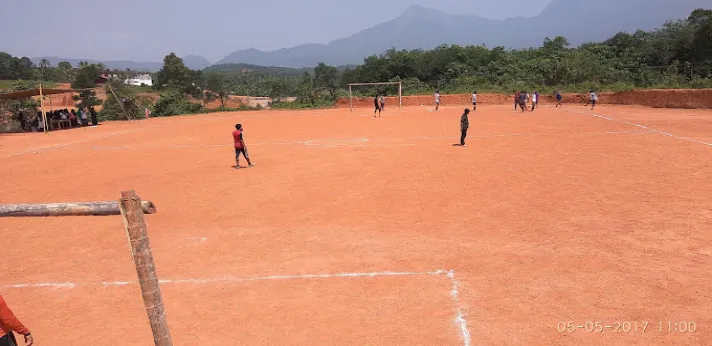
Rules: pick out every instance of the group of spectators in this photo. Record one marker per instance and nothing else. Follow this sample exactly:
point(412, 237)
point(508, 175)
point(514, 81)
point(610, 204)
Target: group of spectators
point(78, 117)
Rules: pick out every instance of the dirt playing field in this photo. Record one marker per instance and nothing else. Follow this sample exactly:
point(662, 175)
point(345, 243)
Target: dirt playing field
point(360, 231)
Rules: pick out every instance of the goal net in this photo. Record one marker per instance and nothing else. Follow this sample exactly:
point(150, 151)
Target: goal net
point(386, 89)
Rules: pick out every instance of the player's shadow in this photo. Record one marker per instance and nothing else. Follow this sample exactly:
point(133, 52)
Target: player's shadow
point(457, 145)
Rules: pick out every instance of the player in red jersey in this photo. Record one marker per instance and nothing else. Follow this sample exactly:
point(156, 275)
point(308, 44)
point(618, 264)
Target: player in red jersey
point(240, 147)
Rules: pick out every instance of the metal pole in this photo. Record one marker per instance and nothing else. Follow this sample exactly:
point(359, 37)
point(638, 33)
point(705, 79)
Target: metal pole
point(136, 231)
point(351, 100)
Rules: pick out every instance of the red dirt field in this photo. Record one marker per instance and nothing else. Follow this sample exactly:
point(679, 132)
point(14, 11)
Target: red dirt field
point(360, 231)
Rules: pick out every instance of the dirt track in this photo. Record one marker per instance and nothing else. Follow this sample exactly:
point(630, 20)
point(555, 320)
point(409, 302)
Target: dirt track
point(337, 236)
point(673, 98)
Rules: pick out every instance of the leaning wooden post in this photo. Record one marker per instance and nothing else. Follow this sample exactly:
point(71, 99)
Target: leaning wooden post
point(44, 114)
point(351, 100)
point(136, 231)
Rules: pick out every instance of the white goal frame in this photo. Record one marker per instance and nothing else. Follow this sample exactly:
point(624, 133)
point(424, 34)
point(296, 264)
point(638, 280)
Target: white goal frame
point(400, 92)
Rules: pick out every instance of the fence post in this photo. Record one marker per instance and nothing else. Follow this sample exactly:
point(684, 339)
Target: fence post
point(136, 230)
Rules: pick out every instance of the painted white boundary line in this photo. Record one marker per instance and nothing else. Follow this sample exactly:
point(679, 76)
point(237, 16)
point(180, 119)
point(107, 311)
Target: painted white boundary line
point(643, 127)
point(459, 317)
point(62, 145)
point(459, 320)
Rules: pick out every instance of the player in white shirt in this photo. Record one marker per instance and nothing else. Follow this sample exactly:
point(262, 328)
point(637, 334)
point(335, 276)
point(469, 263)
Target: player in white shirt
point(593, 98)
point(474, 100)
point(437, 100)
point(535, 99)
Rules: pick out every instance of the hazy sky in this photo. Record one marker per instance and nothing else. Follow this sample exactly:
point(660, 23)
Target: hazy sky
point(147, 30)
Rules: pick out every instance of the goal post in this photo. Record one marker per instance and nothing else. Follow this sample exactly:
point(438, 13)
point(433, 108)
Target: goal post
point(400, 92)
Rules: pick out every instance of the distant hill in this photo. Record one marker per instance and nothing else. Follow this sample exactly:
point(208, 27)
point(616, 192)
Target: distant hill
point(191, 61)
point(195, 62)
point(579, 21)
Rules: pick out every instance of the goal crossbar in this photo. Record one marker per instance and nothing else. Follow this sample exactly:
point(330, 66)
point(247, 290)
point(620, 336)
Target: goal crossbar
point(400, 92)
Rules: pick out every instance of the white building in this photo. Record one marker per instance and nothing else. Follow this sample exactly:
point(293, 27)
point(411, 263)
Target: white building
point(141, 79)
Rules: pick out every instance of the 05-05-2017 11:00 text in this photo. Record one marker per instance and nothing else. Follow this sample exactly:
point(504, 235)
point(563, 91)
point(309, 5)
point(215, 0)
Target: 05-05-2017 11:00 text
point(627, 327)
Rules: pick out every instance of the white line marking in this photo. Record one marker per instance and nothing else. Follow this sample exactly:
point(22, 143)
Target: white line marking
point(43, 284)
point(56, 146)
point(645, 127)
point(460, 317)
point(228, 279)
point(450, 274)
point(362, 142)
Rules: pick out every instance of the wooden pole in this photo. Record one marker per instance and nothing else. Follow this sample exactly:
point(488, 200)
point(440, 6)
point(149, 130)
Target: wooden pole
point(121, 104)
point(69, 209)
point(136, 231)
point(351, 100)
point(44, 115)
point(400, 96)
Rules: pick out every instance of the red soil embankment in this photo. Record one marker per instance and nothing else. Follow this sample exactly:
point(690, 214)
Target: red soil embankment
point(659, 98)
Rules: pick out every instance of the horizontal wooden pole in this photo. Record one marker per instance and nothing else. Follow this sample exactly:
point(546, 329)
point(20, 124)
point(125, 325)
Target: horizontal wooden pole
point(69, 209)
point(385, 83)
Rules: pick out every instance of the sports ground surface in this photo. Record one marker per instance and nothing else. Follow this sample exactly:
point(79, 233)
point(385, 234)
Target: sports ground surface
point(360, 231)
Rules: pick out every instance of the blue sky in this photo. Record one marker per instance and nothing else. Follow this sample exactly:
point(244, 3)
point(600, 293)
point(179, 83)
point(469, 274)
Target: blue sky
point(146, 30)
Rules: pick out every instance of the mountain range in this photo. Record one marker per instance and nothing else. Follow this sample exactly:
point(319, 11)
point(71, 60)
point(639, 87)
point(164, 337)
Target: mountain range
point(580, 21)
point(418, 27)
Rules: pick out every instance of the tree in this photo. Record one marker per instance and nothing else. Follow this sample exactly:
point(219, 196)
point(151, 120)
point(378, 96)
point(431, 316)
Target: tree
point(558, 44)
point(279, 88)
point(45, 70)
point(305, 93)
point(65, 72)
point(12, 68)
point(86, 79)
point(701, 20)
point(7, 66)
point(326, 77)
point(215, 83)
point(175, 75)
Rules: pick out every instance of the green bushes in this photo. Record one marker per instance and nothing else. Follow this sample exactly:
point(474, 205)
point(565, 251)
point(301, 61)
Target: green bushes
point(173, 102)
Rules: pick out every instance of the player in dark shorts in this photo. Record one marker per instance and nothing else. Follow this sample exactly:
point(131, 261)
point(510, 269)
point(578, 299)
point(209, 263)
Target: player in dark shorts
point(240, 147)
point(464, 125)
point(383, 102)
point(474, 100)
point(523, 100)
point(516, 100)
point(558, 99)
point(377, 106)
point(593, 98)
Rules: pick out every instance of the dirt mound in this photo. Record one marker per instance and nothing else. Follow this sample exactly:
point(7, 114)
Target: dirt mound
point(663, 98)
